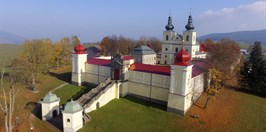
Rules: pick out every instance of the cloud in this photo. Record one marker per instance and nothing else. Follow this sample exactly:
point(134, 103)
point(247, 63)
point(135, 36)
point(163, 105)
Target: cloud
point(242, 17)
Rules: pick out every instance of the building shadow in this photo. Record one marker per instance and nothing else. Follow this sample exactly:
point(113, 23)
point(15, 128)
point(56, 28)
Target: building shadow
point(35, 109)
point(66, 77)
point(146, 102)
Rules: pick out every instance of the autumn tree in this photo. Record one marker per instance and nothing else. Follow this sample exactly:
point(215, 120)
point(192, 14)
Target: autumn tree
point(222, 55)
point(36, 56)
point(61, 52)
point(253, 71)
point(215, 84)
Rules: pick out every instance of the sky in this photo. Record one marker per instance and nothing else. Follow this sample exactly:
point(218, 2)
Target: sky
point(92, 20)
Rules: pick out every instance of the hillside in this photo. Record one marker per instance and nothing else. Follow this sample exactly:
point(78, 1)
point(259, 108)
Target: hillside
point(242, 36)
point(10, 38)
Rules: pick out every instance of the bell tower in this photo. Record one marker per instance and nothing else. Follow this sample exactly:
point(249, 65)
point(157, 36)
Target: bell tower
point(189, 37)
point(169, 39)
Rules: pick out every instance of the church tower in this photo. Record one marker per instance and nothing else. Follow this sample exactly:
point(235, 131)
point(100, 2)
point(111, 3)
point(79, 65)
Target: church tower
point(171, 43)
point(79, 58)
point(179, 97)
point(189, 36)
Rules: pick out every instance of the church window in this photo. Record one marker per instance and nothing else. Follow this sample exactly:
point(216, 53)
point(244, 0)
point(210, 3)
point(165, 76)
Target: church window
point(166, 38)
point(187, 38)
point(68, 120)
point(176, 49)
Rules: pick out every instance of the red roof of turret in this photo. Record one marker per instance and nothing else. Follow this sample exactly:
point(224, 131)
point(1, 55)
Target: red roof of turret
point(79, 49)
point(182, 58)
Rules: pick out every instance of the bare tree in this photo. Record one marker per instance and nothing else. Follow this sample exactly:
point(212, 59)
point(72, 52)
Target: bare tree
point(8, 100)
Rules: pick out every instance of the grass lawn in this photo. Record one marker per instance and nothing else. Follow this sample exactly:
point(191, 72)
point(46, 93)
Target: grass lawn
point(130, 114)
point(67, 92)
point(230, 111)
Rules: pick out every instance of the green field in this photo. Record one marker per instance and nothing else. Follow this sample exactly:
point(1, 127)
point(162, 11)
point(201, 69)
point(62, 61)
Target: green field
point(9, 51)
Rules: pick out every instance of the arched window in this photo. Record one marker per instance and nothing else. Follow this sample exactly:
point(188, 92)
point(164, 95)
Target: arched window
point(166, 38)
point(176, 49)
point(187, 38)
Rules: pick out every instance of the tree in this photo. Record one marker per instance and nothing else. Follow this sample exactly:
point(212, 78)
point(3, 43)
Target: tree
point(7, 101)
point(215, 84)
point(75, 40)
point(223, 55)
point(36, 56)
point(253, 72)
point(61, 52)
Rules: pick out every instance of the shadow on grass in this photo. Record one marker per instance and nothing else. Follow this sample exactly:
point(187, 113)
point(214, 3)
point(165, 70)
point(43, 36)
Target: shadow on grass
point(35, 109)
point(147, 103)
point(62, 76)
point(247, 91)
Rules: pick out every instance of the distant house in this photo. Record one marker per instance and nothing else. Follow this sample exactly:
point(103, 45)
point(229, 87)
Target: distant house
point(93, 51)
point(144, 54)
point(244, 51)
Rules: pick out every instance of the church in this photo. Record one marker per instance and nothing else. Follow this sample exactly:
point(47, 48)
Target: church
point(177, 81)
point(175, 78)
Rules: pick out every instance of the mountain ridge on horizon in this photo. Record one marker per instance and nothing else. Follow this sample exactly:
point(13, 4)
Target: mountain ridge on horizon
point(248, 37)
point(10, 38)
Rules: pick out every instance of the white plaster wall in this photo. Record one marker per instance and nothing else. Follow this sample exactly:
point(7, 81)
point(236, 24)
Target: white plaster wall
point(48, 108)
point(76, 121)
point(96, 74)
point(197, 86)
point(111, 93)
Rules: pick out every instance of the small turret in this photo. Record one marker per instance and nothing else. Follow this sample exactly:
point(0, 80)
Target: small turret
point(79, 49)
point(182, 58)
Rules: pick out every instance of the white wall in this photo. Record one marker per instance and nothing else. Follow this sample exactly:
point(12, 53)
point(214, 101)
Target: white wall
point(48, 108)
point(76, 121)
point(110, 93)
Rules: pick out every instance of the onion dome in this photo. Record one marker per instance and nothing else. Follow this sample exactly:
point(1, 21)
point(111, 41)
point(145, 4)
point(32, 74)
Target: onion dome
point(189, 25)
point(182, 58)
point(169, 26)
point(79, 49)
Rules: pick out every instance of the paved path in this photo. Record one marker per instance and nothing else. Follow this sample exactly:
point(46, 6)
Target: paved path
point(60, 86)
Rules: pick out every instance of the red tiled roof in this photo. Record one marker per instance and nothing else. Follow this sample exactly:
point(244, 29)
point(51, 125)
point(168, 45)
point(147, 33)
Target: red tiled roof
point(164, 70)
point(97, 61)
point(128, 57)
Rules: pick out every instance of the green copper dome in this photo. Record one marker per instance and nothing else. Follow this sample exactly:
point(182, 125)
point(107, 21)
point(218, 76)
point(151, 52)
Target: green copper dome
point(50, 98)
point(72, 107)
